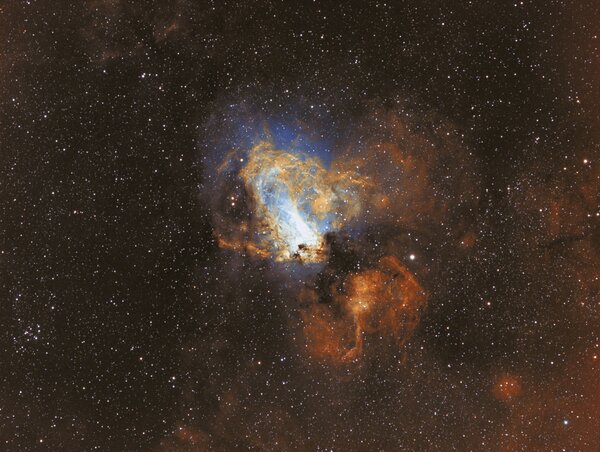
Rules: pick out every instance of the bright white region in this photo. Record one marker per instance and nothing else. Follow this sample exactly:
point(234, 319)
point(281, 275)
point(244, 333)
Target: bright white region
point(294, 225)
point(294, 229)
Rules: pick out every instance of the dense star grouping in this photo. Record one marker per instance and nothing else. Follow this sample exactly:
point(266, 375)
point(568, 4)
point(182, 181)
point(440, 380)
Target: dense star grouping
point(446, 289)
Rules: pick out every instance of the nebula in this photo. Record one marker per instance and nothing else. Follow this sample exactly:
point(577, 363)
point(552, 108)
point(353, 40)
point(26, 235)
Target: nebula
point(395, 183)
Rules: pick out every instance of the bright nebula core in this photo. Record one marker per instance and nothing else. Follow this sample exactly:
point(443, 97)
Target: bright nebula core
point(296, 201)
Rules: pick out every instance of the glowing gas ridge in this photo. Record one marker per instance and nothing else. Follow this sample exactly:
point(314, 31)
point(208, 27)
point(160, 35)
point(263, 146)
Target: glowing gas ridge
point(296, 202)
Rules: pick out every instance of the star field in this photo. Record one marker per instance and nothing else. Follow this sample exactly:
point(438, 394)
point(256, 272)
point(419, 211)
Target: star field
point(455, 302)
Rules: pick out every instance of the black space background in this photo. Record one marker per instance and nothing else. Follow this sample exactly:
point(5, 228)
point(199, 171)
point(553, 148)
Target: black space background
point(113, 291)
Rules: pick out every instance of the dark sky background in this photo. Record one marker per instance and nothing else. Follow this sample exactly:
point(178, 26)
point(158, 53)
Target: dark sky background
point(123, 324)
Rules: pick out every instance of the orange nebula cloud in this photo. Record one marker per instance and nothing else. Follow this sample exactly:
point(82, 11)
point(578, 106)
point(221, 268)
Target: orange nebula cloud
point(386, 301)
point(507, 387)
point(409, 169)
point(563, 415)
